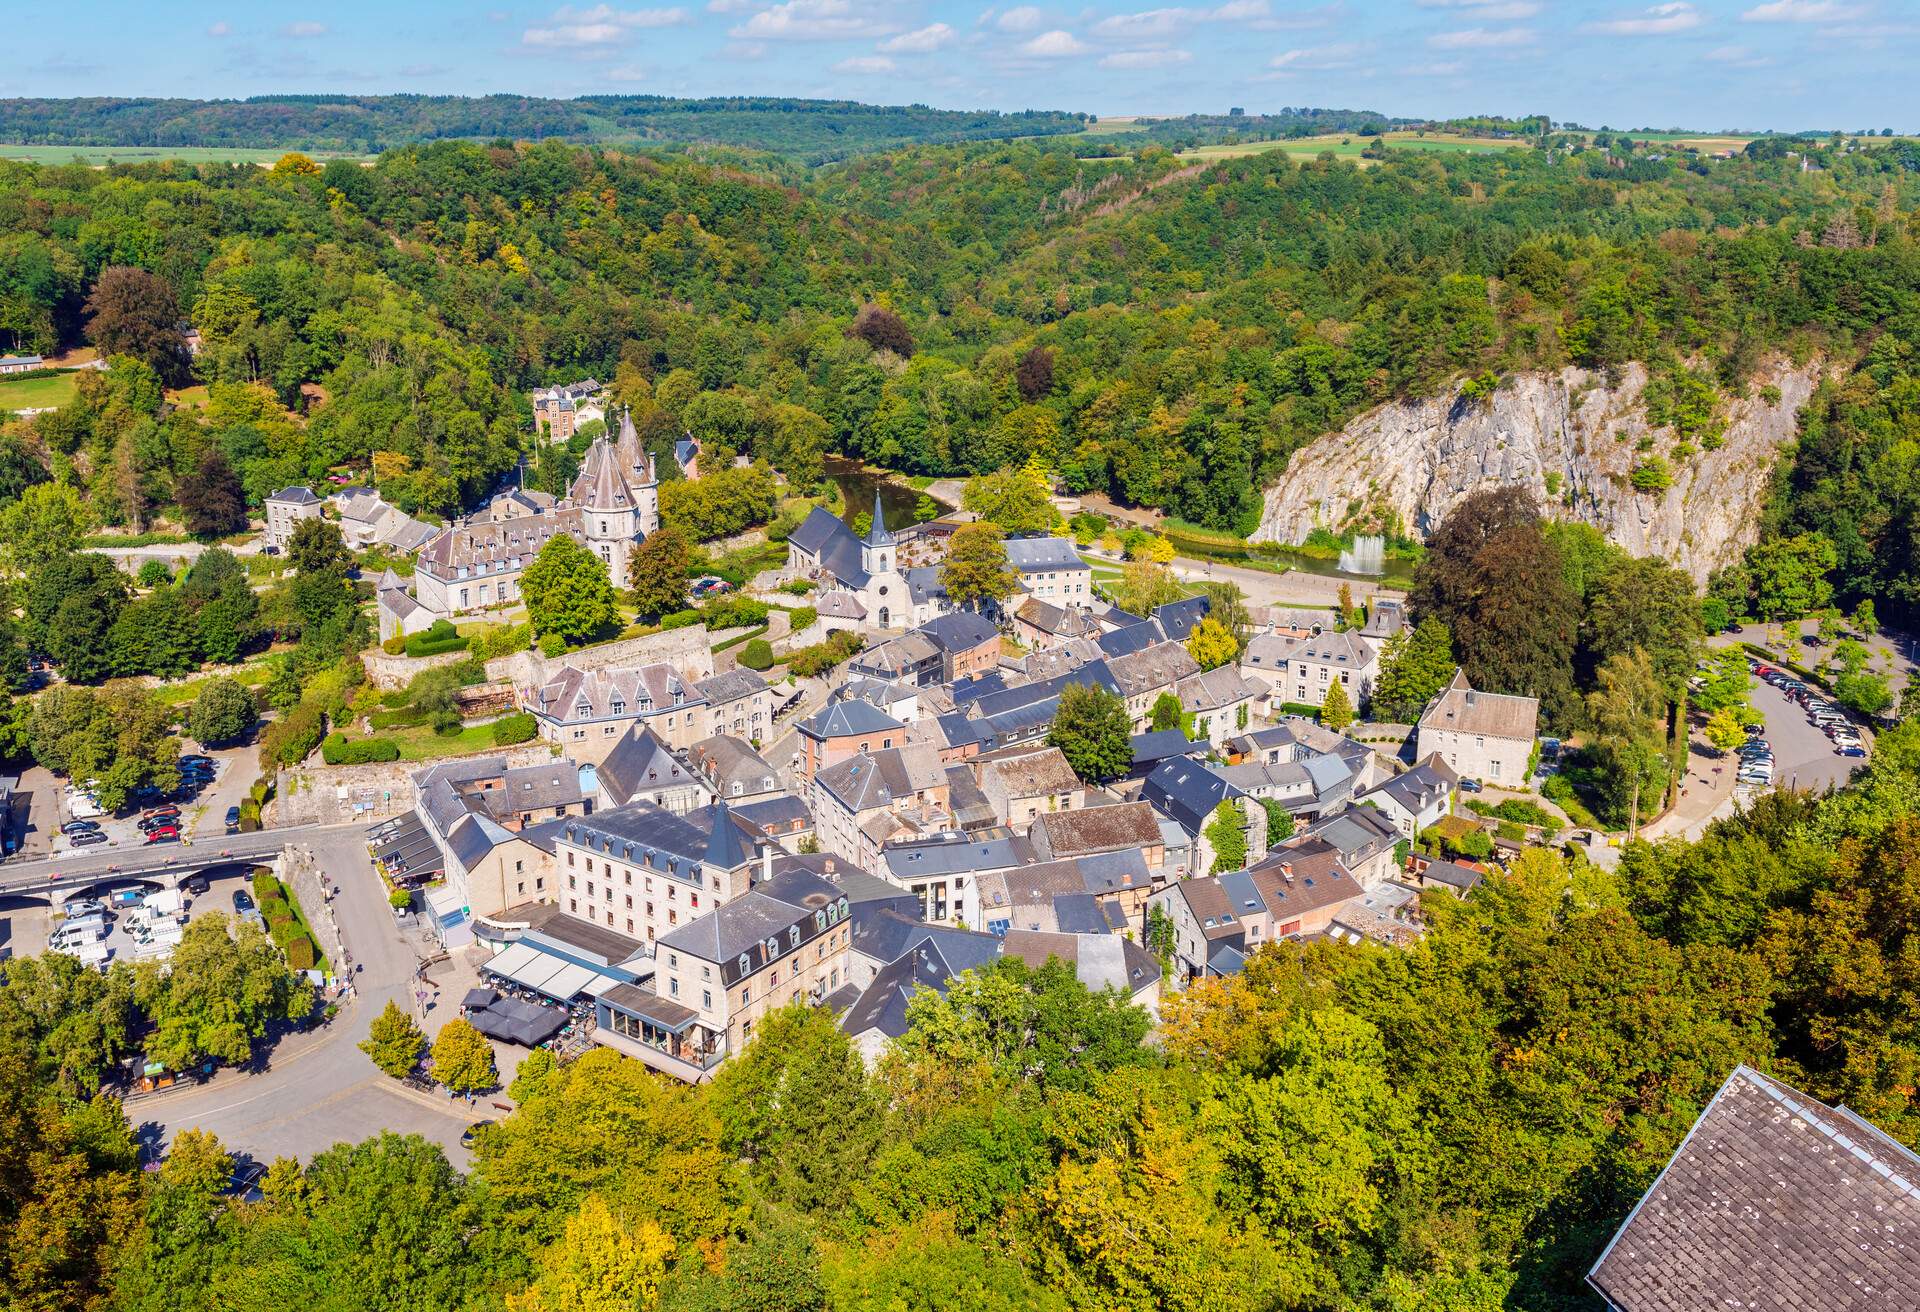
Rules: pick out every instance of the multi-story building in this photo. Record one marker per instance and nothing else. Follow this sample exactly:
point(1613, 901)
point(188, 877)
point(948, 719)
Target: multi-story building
point(1051, 570)
point(863, 582)
point(1021, 783)
point(588, 712)
point(1482, 735)
point(612, 506)
point(285, 509)
point(843, 730)
point(1144, 674)
point(739, 702)
point(1316, 664)
point(642, 768)
point(643, 871)
point(862, 803)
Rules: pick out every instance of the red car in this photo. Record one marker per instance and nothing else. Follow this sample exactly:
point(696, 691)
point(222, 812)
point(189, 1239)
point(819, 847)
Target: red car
point(162, 813)
point(168, 835)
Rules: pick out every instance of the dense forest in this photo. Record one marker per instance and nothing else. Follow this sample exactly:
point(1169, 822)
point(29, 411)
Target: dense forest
point(1160, 331)
point(810, 130)
point(1456, 1125)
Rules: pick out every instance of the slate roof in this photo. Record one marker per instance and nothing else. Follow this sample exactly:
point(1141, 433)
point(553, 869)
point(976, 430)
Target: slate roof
point(724, 761)
point(1099, 960)
point(839, 605)
point(822, 535)
point(1032, 773)
point(641, 761)
point(496, 547)
point(1211, 690)
point(932, 961)
point(1462, 709)
point(647, 835)
point(1307, 876)
point(878, 535)
point(1179, 617)
point(1152, 668)
point(1131, 638)
point(949, 854)
point(1188, 792)
point(1037, 555)
point(574, 695)
point(1452, 874)
point(850, 717)
point(958, 631)
point(924, 585)
point(743, 926)
point(296, 496)
point(1270, 651)
point(1773, 1200)
point(730, 686)
point(1157, 745)
point(1056, 621)
point(1339, 650)
point(1420, 787)
point(878, 779)
point(895, 656)
point(775, 815)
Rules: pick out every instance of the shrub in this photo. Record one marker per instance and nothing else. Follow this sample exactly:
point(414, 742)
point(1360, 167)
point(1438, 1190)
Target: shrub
point(823, 656)
point(552, 644)
point(799, 587)
point(300, 953)
point(1652, 475)
point(405, 718)
point(802, 619)
point(757, 654)
point(292, 738)
point(396, 645)
point(734, 613)
point(680, 619)
point(442, 637)
point(519, 727)
point(502, 641)
point(154, 574)
point(400, 899)
point(339, 750)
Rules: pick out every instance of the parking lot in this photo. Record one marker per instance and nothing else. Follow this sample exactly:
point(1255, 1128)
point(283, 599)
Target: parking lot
point(125, 829)
point(1803, 756)
point(25, 926)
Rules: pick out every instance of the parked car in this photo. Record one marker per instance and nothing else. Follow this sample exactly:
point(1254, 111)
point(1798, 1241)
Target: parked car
point(1469, 785)
point(79, 827)
point(470, 1135)
point(163, 836)
point(87, 838)
point(233, 819)
point(1733, 628)
point(1851, 749)
point(195, 758)
point(196, 884)
point(243, 902)
point(81, 907)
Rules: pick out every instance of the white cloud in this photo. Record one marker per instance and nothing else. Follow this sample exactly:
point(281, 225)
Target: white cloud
point(627, 73)
point(1054, 45)
point(304, 29)
point(919, 42)
point(1153, 25)
point(865, 64)
point(602, 25)
point(1024, 18)
point(1801, 11)
point(1145, 58)
point(1736, 57)
point(1484, 38)
point(1439, 68)
point(728, 6)
point(1677, 16)
point(1318, 58)
point(812, 20)
point(1240, 11)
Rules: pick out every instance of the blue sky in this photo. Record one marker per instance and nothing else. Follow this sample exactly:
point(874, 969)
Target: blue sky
point(1705, 64)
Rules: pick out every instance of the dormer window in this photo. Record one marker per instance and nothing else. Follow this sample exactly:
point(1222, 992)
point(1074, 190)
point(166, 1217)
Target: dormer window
point(619, 707)
point(746, 964)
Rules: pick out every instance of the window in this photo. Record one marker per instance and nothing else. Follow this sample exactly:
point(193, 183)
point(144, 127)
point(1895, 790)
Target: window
point(706, 998)
point(673, 988)
point(746, 996)
point(572, 882)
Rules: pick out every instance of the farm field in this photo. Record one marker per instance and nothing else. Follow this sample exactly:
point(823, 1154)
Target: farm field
point(1349, 146)
point(144, 154)
point(36, 393)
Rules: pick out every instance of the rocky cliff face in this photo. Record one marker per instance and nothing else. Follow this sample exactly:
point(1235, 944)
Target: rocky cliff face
point(1570, 438)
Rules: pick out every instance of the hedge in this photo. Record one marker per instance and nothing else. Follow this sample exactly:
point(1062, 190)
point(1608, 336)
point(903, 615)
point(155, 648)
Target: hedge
point(338, 750)
point(301, 954)
point(292, 738)
point(801, 619)
point(439, 639)
point(757, 654)
point(680, 619)
point(1300, 708)
point(519, 727)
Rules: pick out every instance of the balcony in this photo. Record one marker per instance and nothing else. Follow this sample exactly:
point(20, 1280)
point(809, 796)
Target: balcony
point(659, 1059)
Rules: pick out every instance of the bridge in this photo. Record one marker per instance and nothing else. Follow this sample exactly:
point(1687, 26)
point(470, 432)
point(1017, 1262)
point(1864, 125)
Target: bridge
point(69, 874)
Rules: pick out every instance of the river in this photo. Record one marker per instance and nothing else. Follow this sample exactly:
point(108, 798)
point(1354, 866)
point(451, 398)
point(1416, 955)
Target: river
point(857, 483)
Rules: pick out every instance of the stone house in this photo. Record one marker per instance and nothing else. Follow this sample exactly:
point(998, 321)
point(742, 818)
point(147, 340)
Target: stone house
point(1481, 735)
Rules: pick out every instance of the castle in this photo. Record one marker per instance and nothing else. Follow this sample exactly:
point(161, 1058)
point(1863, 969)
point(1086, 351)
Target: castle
point(474, 564)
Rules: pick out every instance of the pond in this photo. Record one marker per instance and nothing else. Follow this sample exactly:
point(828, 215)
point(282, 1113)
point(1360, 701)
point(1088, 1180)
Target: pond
point(857, 483)
point(1394, 572)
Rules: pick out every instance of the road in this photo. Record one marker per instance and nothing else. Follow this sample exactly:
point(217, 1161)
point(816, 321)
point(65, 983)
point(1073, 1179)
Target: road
point(321, 1089)
point(71, 869)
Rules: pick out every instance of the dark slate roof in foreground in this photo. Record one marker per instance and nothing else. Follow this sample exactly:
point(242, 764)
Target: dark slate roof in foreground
point(1773, 1200)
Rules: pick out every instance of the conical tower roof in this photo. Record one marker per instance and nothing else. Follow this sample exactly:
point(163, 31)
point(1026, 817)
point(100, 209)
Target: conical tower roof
point(878, 536)
point(724, 848)
point(601, 484)
point(626, 447)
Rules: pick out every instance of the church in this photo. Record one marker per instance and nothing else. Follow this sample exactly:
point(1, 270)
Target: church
point(475, 564)
point(861, 583)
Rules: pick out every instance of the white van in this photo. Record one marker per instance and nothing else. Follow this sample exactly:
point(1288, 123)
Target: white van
point(93, 922)
point(75, 935)
point(82, 807)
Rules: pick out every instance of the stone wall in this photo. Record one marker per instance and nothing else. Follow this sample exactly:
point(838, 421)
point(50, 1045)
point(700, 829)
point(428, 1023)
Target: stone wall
point(335, 794)
point(688, 650)
point(300, 871)
point(391, 673)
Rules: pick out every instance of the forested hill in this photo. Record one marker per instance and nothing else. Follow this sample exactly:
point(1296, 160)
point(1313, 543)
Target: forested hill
point(1165, 332)
point(813, 130)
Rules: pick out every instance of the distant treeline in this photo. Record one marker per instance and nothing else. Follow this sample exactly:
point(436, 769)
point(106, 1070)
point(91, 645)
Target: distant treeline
point(1210, 129)
point(814, 130)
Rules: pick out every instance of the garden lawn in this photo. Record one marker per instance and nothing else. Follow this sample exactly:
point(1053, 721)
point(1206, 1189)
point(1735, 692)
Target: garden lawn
point(37, 393)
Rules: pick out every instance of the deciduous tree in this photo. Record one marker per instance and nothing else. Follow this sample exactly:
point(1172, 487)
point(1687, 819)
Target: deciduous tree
point(976, 569)
point(1091, 729)
point(462, 1058)
point(222, 711)
point(1211, 644)
point(567, 592)
point(394, 1042)
point(657, 574)
point(133, 312)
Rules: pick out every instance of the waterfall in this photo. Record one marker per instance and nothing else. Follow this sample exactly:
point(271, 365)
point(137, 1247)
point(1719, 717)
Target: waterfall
point(1367, 555)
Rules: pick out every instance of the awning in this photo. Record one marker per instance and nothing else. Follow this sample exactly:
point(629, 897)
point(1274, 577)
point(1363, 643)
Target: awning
point(516, 956)
point(600, 984)
point(478, 998)
point(569, 983)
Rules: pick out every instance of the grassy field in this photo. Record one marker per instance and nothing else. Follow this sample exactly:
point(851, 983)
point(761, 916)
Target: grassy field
point(1349, 146)
point(36, 393)
point(146, 154)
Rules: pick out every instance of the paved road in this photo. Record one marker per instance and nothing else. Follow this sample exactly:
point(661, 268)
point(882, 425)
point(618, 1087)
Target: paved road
point(70, 868)
point(322, 1089)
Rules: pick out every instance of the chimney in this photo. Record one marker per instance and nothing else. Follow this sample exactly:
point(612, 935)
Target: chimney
point(1286, 869)
point(1470, 696)
point(766, 861)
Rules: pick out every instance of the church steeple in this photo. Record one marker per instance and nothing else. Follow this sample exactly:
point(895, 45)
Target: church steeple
point(878, 536)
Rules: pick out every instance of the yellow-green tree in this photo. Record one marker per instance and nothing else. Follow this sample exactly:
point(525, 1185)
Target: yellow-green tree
point(1724, 730)
point(1211, 644)
point(1336, 712)
point(601, 1264)
point(463, 1059)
